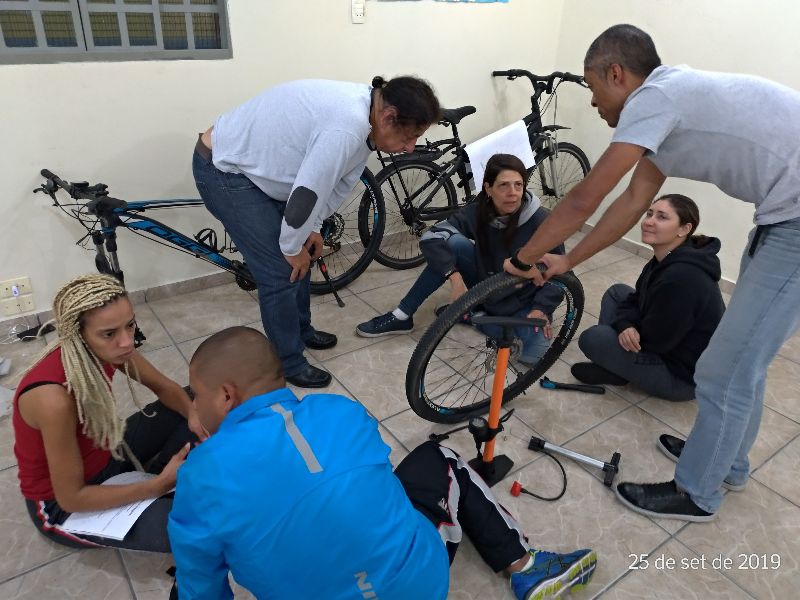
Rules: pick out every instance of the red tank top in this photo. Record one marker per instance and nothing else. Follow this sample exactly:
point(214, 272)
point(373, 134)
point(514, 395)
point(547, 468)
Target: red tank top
point(34, 475)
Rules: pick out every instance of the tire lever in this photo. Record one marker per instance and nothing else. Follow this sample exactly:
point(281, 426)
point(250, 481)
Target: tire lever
point(578, 387)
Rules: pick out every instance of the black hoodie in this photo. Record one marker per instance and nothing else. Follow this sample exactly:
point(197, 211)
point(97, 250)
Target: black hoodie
point(677, 305)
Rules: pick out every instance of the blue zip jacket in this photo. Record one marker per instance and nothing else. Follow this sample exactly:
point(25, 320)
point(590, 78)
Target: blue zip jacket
point(298, 500)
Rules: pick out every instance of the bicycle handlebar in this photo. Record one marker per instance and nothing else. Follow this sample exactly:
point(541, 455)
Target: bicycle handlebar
point(548, 79)
point(81, 190)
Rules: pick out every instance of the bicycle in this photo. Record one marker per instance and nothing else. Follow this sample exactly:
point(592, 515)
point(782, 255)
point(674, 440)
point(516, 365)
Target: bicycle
point(559, 165)
point(351, 236)
point(450, 374)
point(423, 191)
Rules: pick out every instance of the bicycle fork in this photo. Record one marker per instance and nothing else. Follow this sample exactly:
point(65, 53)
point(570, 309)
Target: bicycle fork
point(106, 261)
point(552, 155)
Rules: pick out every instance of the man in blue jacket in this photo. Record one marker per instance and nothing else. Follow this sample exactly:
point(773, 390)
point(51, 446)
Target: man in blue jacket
point(298, 499)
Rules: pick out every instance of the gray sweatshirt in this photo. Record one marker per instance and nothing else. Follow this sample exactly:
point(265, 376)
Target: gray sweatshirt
point(302, 142)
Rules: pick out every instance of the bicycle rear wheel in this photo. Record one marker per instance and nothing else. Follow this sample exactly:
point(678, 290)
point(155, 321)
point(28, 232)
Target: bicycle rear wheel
point(570, 165)
point(351, 236)
point(411, 180)
point(451, 371)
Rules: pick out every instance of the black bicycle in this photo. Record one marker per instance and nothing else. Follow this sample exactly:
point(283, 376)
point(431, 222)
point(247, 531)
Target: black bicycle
point(351, 236)
point(419, 188)
point(451, 372)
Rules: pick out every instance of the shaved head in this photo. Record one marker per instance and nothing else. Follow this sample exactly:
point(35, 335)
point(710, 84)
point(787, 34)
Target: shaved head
point(241, 356)
point(229, 368)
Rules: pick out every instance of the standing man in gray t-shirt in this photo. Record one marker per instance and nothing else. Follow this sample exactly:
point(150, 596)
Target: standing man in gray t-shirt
point(740, 133)
point(273, 168)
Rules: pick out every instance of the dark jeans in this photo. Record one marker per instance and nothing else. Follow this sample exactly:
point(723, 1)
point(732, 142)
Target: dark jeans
point(645, 370)
point(429, 280)
point(153, 440)
point(253, 220)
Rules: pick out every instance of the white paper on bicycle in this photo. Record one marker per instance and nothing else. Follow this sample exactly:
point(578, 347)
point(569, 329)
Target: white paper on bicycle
point(512, 139)
point(113, 523)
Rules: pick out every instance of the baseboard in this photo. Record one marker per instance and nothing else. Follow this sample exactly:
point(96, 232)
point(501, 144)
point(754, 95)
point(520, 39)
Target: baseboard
point(158, 292)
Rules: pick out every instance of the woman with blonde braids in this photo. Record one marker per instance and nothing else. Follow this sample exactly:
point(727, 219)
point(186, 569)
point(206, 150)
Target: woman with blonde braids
point(69, 438)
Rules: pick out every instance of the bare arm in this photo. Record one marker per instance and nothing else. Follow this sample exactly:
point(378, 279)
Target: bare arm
point(581, 202)
point(51, 410)
point(170, 393)
point(623, 214)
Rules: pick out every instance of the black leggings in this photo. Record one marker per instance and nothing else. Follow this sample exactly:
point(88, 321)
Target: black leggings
point(153, 440)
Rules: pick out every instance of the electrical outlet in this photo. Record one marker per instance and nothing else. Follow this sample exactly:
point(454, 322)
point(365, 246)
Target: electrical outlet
point(14, 306)
point(9, 307)
point(11, 288)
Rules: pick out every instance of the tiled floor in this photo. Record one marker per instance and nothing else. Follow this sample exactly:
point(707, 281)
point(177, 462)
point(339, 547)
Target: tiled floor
point(684, 560)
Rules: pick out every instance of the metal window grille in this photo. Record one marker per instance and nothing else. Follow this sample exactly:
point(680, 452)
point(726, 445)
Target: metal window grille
point(38, 30)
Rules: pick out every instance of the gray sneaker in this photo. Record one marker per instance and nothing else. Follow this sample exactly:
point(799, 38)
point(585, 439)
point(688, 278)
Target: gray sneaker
point(386, 324)
point(672, 447)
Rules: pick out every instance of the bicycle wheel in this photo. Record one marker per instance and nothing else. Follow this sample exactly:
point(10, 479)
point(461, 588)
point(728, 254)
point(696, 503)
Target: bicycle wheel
point(451, 371)
point(351, 236)
point(570, 165)
point(410, 179)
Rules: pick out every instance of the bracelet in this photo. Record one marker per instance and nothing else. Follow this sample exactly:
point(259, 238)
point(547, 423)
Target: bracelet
point(518, 264)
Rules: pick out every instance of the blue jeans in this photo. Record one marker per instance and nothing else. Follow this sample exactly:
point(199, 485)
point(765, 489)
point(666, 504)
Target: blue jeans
point(534, 343)
point(730, 376)
point(646, 370)
point(253, 220)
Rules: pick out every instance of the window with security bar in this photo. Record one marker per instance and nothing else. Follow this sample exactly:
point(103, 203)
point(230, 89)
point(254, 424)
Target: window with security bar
point(50, 30)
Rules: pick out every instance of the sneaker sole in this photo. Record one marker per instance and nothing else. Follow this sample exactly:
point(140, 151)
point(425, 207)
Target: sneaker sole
point(574, 578)
point(728, 486)
point(657, 515)
point(370, 335)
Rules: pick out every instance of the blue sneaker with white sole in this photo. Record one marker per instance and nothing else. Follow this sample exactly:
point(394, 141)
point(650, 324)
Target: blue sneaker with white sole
point(553, 574)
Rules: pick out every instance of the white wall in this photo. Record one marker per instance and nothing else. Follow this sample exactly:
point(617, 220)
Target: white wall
point(759, 38)
point(133, 125)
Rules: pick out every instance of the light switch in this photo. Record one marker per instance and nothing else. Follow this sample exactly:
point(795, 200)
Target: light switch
point(357, 10)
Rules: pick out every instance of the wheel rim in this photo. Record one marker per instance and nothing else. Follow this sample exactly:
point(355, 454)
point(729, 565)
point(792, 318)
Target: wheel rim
point(459, 373)
point(401, 240)
point(343, 243)
point(569, 170)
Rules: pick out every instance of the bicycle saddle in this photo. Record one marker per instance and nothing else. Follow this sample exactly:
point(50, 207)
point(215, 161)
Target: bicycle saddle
point(454, 115)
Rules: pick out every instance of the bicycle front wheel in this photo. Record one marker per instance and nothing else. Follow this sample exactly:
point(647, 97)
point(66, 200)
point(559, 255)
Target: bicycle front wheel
point(407, 184)
point(451, 372)
point(556, 174)
point(351, 236)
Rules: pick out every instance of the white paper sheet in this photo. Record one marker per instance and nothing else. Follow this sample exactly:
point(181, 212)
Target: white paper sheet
point(113, 523)
point(512, 139)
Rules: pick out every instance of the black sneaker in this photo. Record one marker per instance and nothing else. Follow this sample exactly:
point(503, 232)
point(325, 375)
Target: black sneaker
point(672, 447)
point(588, 372)
point(661, 501)
point(386, 324)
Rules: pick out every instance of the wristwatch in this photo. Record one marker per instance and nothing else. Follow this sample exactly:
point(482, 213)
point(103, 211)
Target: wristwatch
point(518, 264)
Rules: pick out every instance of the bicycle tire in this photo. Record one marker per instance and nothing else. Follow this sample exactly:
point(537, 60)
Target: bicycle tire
point(356, 234)
point(469, 379)
point(400, 246)
point(572, 165)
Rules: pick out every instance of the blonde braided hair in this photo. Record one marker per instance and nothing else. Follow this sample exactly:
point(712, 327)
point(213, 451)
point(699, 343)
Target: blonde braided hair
point(87, 380)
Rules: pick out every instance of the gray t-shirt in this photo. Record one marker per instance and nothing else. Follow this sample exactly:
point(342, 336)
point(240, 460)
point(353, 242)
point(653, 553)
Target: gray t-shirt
point(739, 132)
point(304, 142)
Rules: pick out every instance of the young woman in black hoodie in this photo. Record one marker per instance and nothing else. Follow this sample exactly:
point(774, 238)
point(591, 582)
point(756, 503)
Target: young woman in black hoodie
point(652, 336)
point(471, 245)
